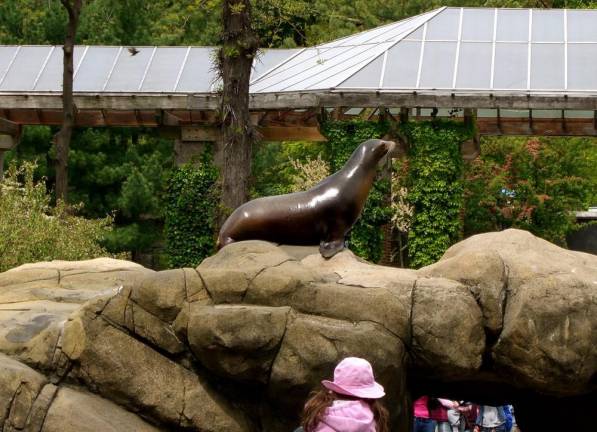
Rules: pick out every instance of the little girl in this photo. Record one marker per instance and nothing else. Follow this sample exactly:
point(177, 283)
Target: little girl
point(349, 403)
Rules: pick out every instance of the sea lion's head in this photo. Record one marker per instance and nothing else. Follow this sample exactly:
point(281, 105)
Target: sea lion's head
point(372, 151)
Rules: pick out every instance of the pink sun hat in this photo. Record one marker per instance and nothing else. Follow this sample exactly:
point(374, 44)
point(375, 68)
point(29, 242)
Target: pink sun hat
point(354, 377)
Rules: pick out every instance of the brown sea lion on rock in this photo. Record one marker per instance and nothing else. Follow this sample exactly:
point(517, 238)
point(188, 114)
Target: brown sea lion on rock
point(324, 214)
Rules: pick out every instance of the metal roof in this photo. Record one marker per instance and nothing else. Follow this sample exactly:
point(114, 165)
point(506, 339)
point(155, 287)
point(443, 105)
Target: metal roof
point(112, 69)
point(523, 59)
point(456, 49)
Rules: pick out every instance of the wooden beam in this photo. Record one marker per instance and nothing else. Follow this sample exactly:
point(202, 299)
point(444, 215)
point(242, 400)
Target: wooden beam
point(8, 142)
point(541, 127)
point(302, 100)
point(404, 113)
point(8, 127)
point(296, 133)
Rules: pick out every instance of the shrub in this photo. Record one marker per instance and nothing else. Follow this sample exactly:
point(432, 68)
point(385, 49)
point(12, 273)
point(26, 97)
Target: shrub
point(191, 211)
point(308, 173)
point(32, 230)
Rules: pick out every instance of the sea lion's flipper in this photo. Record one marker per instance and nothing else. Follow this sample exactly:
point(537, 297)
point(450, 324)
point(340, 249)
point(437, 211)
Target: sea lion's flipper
point(223, 241)
point(331, 248)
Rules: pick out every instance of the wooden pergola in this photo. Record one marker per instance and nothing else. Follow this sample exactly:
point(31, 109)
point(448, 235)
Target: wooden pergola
point(512, 71)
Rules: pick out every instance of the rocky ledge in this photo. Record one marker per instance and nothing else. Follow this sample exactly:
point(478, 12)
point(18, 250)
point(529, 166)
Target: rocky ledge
point(237, 343)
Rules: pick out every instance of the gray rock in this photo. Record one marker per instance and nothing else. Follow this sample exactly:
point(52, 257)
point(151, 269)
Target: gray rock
point(237, 342)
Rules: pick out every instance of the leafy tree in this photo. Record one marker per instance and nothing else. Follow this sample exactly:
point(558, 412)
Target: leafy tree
point(533, 184)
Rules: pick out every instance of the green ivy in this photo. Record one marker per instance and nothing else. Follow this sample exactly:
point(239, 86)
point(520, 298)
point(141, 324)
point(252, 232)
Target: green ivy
point(366, 238)
point(191, 211)
point(435, 187)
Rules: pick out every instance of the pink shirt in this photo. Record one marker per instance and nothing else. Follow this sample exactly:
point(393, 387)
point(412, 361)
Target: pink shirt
point(441, 412)
point(420, 406)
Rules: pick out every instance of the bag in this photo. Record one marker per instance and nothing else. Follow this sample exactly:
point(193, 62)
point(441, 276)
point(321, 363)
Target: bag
point(454, 417)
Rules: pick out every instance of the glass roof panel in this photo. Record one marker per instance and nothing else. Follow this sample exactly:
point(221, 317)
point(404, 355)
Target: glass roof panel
point(51, 77)
point(402, 65)
point(546, 114)
point(379, 34)
point(582, 25)
point(6, 55)
point(269, 58)
point(367, 77)
point(477, 24)
point(94, 68)
point(389, 32)
point(514, 113)
point(308, 56)
point(332, 72)
point(444, 26)
point(164, 69)
point(25, 68)
point(512, 25)
point(474, 65)
point(401, 31)
point(438, 65)
point(579, 114)
point(129, 69)
point(582, 67)
point(510, 70)
point(417, 34)
point(198, 74)
point(547, 66)
point(548, 26)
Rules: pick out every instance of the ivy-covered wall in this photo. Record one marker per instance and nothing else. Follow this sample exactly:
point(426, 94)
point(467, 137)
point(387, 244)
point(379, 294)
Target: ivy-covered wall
point(435, 187)
point(191, 208)
point(366, 238)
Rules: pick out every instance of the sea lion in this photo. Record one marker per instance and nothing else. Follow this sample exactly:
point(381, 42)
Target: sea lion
point(322, 215)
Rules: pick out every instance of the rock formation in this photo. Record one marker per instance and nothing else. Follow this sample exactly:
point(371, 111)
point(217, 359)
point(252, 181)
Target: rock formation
point(237, 344)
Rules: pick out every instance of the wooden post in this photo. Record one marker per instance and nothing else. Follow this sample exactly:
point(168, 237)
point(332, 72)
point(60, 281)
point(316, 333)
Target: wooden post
point(386, 174)
point(187, 151)
point(7, 142)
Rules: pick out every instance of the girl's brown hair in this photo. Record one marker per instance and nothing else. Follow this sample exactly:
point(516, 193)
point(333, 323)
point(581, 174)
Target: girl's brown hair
point(322, 399)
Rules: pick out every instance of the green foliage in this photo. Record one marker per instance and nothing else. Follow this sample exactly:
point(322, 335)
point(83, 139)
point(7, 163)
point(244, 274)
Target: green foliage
point(120, 172)
point(278, 23)
point(191, 211)
point(366, 238)
point(531, 184)
point(32, 230)
point(137, 195)
point(435, 187)
point(272, 167)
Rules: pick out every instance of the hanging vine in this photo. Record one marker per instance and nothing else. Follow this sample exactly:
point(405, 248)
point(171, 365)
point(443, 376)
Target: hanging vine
point(435, 187)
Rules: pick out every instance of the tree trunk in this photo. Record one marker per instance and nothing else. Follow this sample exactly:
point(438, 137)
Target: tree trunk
point(63, 137)
point(239, 46)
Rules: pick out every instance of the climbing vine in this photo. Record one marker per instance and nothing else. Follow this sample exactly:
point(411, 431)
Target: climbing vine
point(366, 238)
point(435, 187)
point(191, 209)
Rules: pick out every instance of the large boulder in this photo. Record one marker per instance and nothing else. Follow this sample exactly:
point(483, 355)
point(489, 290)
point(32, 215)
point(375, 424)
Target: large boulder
point(238, 343)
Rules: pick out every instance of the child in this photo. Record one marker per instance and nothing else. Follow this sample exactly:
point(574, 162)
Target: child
point(349, 403)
